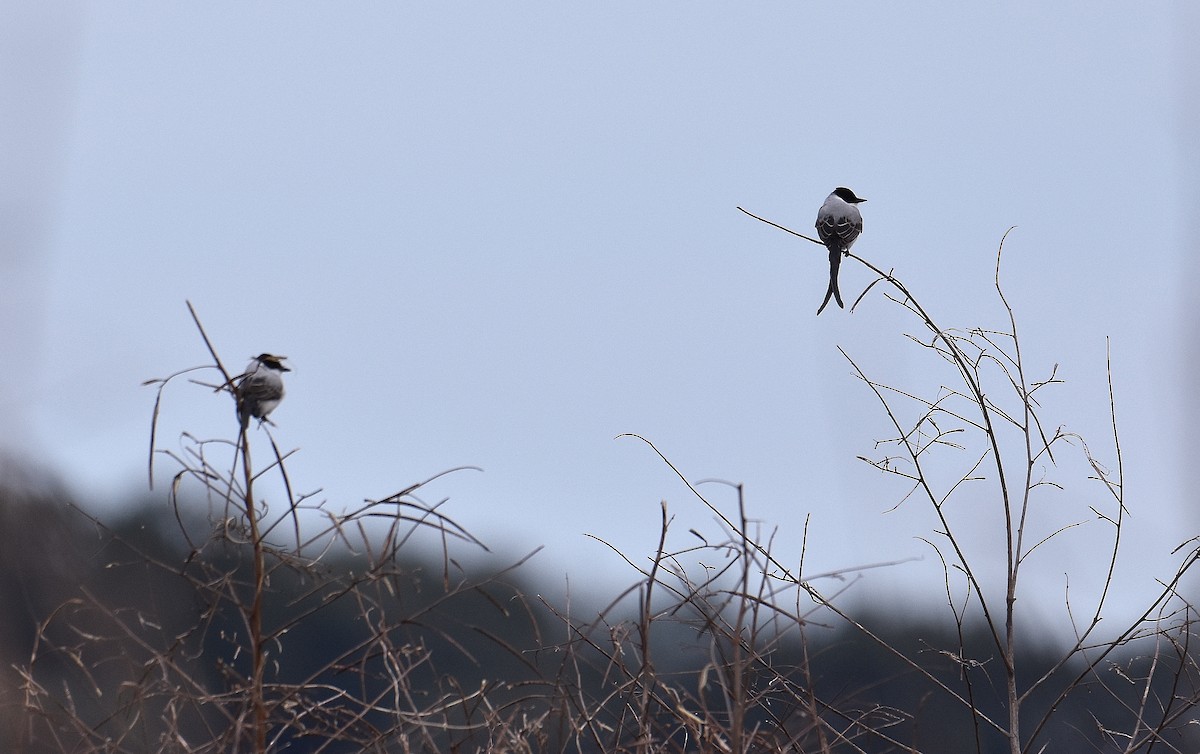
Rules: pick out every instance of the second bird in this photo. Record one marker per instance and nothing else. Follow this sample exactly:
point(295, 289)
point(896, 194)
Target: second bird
point(260, 388)
point(838, 224)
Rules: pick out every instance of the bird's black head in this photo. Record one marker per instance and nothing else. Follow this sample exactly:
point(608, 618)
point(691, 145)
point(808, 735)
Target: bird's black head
point(272, 362)
point(847, 195)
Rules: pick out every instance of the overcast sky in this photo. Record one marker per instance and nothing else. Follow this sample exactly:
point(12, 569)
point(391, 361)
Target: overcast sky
point(501, 234)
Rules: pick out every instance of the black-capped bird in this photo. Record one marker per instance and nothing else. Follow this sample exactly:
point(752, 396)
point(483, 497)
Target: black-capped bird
point(838, 224)
point(260, 388)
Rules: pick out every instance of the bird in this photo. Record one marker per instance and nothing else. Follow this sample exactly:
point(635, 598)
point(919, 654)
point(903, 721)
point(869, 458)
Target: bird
point(260, 388)
point(838, 224)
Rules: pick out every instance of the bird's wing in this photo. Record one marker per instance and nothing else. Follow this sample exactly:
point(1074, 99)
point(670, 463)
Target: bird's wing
point(259, 387)
point(841, 229)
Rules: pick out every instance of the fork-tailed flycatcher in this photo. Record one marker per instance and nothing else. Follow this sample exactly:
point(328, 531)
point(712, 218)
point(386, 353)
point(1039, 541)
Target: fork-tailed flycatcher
point(838, 224)
point(260, 389)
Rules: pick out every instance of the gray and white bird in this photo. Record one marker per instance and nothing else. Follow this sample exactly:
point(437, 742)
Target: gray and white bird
point(260, 388)
point(838, 224)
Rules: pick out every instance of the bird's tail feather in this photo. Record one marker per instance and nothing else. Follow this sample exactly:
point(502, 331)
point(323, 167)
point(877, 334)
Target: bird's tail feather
point(835, 261)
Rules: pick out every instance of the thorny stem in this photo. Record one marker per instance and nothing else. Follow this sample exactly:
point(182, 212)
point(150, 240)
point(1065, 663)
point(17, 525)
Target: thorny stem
point(258, 659)
point(738, 691)
point(980, 400)
point(1014, 552)
point(646, 672)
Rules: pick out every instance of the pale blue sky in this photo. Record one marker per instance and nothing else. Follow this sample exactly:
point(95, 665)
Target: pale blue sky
point(501, 234)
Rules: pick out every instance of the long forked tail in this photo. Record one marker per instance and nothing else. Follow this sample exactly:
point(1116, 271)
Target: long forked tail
point(835, 261)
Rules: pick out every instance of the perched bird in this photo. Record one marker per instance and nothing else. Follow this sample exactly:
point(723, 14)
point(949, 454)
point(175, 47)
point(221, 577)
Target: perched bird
point(260, 388)
point(838, 224)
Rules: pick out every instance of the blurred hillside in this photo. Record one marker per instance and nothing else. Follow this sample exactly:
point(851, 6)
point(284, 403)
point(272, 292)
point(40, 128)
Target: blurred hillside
point(101, 605)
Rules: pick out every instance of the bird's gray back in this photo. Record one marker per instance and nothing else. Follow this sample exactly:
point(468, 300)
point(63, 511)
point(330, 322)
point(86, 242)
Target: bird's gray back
point(839, 223)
